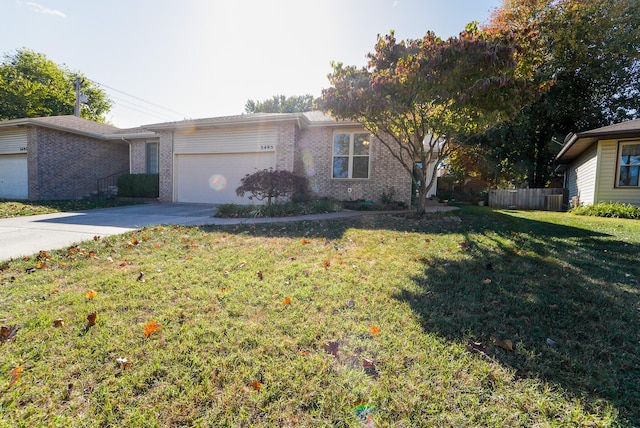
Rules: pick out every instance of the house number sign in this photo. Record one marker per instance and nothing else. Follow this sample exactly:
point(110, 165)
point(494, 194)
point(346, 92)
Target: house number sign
point(266, 147)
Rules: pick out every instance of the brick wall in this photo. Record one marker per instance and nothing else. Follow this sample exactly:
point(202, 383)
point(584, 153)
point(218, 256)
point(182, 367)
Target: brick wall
point(67, 166)
point(314, 157)
point(286, 146)
point(138, 157)
point(165, 165)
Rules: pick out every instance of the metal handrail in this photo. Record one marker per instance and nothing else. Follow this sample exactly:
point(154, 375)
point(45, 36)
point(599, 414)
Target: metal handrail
point(104, 183)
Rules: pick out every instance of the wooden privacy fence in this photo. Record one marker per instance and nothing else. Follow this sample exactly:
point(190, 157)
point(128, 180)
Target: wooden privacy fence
point(530, 199)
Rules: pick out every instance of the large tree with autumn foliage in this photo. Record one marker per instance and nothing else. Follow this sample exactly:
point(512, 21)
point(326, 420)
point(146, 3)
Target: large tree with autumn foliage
point(590, 52)
point(422, 97)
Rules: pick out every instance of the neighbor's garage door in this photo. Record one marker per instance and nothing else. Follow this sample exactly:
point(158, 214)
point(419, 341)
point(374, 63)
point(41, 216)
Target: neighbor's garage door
point(213, 178)
point(13, 177)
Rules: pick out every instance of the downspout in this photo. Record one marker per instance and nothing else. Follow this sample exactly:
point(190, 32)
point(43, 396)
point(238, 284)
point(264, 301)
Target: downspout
point(130, 157)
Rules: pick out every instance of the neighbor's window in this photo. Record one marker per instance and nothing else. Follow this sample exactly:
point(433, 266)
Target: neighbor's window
point(351, 155)
point(152, 158)
point(629, 165)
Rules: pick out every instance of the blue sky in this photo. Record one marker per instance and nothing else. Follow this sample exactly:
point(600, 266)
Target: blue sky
point(204, 58)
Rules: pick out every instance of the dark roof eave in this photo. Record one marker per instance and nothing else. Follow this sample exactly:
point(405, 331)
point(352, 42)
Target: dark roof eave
point(580, 142)
point(97, 135)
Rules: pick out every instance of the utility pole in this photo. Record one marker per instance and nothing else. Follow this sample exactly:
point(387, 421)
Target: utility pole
point(76, 110)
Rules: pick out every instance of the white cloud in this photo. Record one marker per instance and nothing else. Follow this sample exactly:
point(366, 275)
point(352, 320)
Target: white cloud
point(38, 8)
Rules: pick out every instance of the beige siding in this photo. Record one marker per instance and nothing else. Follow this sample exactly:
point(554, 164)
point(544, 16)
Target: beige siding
point(606, 190)
point(13, 141)
point(228, 140)
point(582, 177)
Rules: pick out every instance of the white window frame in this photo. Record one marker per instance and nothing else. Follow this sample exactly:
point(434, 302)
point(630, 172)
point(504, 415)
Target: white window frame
point(621, 165)
point(351, 155)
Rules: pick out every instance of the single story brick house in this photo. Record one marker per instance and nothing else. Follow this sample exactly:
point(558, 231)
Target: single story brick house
point(204, 160)
point(603, 164)
point(60, 157)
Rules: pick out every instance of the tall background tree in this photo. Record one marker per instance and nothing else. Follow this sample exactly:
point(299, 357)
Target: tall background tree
point(590, 51)
point(422, 98)
point(281, 104)
point(31, 85)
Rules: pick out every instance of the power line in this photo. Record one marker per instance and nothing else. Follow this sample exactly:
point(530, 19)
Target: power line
point(140, 99)
point(140, 108)
point(123, 103)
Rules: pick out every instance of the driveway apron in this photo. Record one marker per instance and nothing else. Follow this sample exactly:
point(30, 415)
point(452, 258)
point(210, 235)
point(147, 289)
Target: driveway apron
point(21, 236)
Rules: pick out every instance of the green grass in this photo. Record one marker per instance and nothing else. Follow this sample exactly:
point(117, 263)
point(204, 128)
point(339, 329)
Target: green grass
point(429, 285)
point(10, 209)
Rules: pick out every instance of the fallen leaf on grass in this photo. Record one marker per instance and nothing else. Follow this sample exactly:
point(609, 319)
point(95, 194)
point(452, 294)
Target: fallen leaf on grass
point(41, 265)
point(503, 343)
point(151, 327)
point(374, 330)
point(477, 347)
point(43, 255)
point(7, 333)
point(332, 348)
point(58, 323)
point(464, 245)
point(486, 281)
point(326, 264)
point(123, 363)
point(259, 273)
point(256, 385)
point(91, 318)
point(495, 303)
point(369, 367)
point(302, 351)
point(91, 294)
point(16, 373)
point(286, 301)
point(305, 241)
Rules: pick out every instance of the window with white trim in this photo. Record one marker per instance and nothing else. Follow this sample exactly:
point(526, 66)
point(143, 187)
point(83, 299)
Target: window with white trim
point(351, 155)
point(152, 158)
point(629, 162)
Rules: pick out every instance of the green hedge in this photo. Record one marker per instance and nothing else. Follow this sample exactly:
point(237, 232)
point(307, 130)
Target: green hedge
point(609, 209)
point(139, 185)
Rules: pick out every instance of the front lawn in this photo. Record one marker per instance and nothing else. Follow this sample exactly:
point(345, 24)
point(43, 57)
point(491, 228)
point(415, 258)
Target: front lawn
point(473, 318)
point(10, 209)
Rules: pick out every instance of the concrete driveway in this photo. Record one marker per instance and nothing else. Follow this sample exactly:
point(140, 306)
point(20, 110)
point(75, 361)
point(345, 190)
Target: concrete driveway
point(22, 236)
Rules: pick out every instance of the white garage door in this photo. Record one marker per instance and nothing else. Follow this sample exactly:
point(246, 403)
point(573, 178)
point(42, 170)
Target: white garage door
point(214, 178)
point(13, 177)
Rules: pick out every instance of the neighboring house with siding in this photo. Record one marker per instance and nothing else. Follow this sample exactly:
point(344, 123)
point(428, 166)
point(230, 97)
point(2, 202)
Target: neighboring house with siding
point(60, 157)
point(199, 160)
point(603, 165)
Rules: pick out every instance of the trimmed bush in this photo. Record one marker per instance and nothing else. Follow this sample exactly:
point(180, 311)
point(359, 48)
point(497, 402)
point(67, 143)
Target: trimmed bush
point(139, 185)
point(609, 209)
point(269, 184)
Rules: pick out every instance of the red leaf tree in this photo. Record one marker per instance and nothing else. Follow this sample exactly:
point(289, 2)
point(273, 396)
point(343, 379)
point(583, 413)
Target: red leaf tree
point(421, 98)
